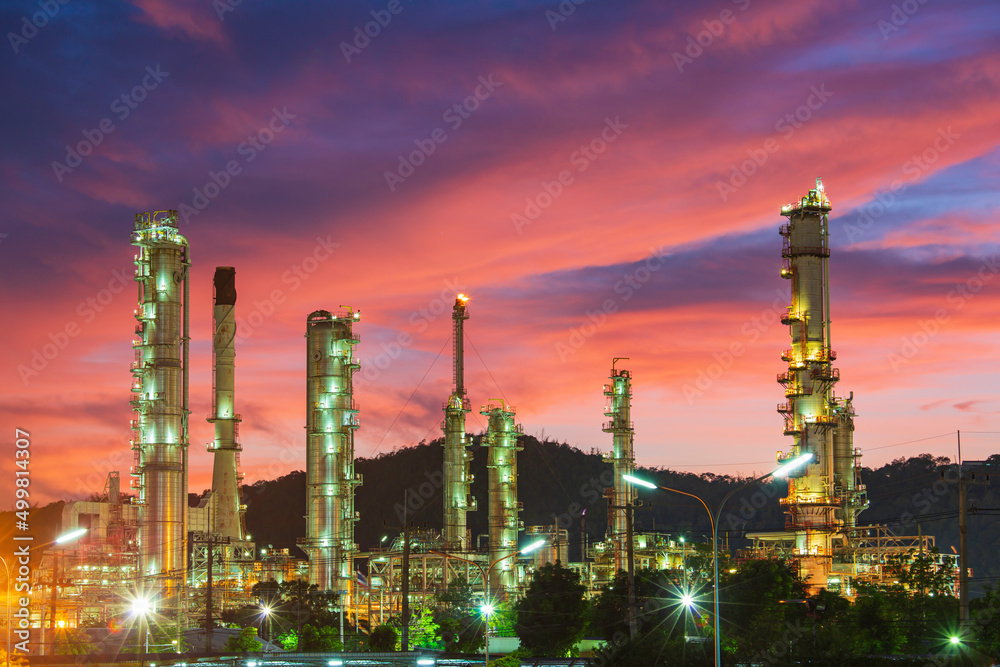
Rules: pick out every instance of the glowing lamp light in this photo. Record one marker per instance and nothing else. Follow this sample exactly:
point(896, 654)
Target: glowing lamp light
point(335, 663)
point(141, 606)
point(486, 609)
point(266, 611)
point(793, 465)
point(425, 661)
point(641, 482)
point(687, 600)
point(956, 640)
point(72, 535)
point(534, 546)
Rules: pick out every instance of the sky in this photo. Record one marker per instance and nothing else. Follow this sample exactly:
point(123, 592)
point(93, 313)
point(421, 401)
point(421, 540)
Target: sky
point(603, 179)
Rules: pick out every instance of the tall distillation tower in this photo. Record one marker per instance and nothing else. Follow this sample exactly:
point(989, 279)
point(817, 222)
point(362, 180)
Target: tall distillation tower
point(619, 409)
point(822, 497)
point(160, 394)
point(457, 497)
point(502, 435)
point(331, 418)
point(225, 519)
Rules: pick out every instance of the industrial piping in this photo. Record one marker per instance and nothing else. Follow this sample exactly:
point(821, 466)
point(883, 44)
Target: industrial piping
point(331, 419)
point(457, 497)
point(502, 435)
point(619, 409)
point(159, 382)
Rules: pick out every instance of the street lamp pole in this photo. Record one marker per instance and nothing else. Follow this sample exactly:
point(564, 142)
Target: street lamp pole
point(487, 608)
point(782, 471)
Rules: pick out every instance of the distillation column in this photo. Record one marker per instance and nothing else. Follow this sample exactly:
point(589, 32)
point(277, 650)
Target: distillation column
point(811, 504)
point(619, 409)
point(159, 394)
point(226, 520)
point(852, 493)
point(331, 418)
point(502, 438)
point(457, 497)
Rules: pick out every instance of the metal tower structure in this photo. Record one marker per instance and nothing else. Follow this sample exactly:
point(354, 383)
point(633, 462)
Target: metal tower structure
point(846, 486)
point(813, 508)
point(160, 394)
point(502, 436)
point(331, 418)
point(226, 515)
point(619, 409)
point(457, 497)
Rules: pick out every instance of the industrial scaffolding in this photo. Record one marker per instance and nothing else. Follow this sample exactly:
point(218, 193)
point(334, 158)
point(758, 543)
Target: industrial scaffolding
point(458, 498)
point(331, 419)
point(160, 398)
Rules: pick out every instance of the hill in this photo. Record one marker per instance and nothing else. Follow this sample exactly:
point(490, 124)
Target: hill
point(559, 483)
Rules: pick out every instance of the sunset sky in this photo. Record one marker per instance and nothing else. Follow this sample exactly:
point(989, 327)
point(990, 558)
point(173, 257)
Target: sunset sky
point(604, 182)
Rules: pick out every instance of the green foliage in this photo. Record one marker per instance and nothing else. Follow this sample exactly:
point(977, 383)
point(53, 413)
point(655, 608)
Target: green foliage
point(289, 640)
point(245, 642)
point(70, 641)
point(424, 631)
point(383, 639)
point(552, 616)
point(320, 639)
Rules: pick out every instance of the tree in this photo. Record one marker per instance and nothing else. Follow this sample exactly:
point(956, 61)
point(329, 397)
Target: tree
point(382, 639)
point(552, 616)
point(461, 625)
point(245, 642)
point(70, 641)
point(424, 631)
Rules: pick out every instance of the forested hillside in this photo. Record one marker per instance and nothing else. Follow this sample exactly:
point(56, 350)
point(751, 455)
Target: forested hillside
point(561, 483)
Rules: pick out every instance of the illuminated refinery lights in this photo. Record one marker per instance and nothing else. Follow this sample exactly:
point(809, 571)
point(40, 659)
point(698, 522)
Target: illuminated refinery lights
point(502, 435)
point(822, 497)
point(457, 495)
point(160, 399)
point(331, 418)
point(619, 408)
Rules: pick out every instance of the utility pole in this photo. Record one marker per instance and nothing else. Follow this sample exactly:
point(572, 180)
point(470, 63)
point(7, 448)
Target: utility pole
point(633, 625)
point(210, 541)
point(405, 639)
point(963, 530)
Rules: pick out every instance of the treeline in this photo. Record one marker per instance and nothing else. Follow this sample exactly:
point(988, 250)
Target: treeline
point(562, 484)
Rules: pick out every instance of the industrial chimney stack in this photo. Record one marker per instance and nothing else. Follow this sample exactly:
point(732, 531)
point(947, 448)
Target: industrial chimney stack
point(225, 520)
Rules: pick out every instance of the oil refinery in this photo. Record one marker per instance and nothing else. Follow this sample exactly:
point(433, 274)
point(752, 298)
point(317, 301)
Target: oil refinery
point(193, 563)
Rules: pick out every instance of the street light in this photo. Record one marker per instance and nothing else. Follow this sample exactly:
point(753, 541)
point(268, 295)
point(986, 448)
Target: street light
point(265, 611)
point(782, 471)
point(487, 607)
point(141, 607)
